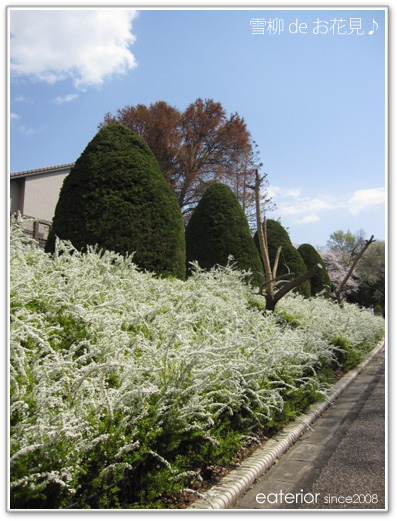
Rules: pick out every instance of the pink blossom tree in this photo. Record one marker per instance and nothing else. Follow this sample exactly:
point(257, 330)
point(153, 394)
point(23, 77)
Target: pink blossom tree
point(341, 268)
point(337, 270)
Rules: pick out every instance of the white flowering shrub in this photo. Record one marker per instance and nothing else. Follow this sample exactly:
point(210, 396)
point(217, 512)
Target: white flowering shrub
point(124, 385)
point(353, 330)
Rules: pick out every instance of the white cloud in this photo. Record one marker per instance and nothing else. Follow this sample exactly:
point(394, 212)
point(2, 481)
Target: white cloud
point(307, 204)
point(14, 116)
point(291, 204)
point(88, 46)
point(291, 192)
point(65, 99)
point(275, 191)
point(308, 219)
point(28, 131)
point(23, 99)
point(366, 199)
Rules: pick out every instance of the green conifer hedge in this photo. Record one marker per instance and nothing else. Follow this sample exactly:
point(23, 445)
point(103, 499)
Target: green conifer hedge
point(116, 196)
point(311, 257)
point(290, 259)
point(218, 228)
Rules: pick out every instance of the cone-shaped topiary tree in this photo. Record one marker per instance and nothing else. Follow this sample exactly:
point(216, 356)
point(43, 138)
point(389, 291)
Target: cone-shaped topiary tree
point(218, 228)
point(116, 196)
point(320, 281)
point(290, 260)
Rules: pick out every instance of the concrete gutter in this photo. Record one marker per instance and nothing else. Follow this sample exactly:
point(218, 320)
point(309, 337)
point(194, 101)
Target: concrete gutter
point(235, 484)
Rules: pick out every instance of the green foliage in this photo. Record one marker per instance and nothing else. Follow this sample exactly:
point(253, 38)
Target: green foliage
point(217, 229)
point(116, 196)
point(257, 302)
point(347, 242)
point(285, 318)
point(297, 399)
point(345, 355)
point(290, 259)
point(126, 388)
point(371, 278)
point(311, 257)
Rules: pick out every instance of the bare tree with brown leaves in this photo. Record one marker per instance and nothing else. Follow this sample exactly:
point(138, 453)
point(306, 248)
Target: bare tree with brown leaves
point(195, 148)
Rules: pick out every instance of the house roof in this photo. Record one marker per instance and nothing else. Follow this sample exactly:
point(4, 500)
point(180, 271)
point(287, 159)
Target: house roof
point(37, 171)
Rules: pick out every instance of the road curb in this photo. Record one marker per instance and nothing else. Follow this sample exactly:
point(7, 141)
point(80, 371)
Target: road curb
point(237, 482)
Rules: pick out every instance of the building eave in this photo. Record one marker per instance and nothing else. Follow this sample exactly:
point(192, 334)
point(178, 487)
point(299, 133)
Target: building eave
point(38, 171)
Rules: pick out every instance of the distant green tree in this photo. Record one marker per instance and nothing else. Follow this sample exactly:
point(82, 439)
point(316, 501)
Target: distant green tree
point(347, 243)
point(116, 196)
point(218, 228)
point(290, 260)
point(371, 278)
point(311, 257)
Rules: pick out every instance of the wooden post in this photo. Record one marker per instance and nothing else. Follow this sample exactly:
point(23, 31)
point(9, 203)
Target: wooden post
point(36, 225)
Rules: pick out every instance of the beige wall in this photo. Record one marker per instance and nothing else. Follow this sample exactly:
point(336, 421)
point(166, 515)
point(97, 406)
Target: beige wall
point(16, 194)
point(42, 193)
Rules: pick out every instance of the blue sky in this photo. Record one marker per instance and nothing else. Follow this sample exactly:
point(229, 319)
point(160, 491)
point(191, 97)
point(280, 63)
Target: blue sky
point(314, 103)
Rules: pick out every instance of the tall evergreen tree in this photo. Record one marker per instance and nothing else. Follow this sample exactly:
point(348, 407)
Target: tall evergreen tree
point(116, 196)
point(311, 257)
point(218, 228)
point(290, 259)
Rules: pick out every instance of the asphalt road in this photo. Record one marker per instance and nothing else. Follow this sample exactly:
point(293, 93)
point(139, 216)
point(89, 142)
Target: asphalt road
point(338, 464)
